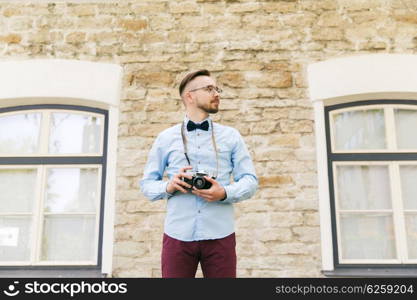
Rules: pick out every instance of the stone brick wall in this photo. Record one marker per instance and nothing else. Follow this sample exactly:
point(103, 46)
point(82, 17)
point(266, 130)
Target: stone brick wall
point(258, 50)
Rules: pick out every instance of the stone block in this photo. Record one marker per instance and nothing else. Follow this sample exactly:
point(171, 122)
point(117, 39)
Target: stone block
point(327, 34)
point(75, 37)
point(280, 79)
point(148, 8)
point(232, 79)
point(286, 219)
point(279, 7)
point(133, 25)
point(12, 11)
point(273, 181)
point(154, 79)
point(270, 154)
point(306, 234)
point(82, 10)
point(297, 126)
point(332, 19)
point(285, 141)
point(11, 38)
point(130, 249)
point(183, 7)
point(249, 7)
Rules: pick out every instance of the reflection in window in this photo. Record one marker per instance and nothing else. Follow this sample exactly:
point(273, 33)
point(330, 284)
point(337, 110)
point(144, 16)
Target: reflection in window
point(411, 227)
point(405, 124)
point(408, 175)
point(15, 238)
point(366, 236)
point(70, 208)
point(71, 190)
point(17, 190)
point(364, 129)
point(17, 196)
point(19, 134)
point(68, 238)
point(74, 133)
point(363, 187)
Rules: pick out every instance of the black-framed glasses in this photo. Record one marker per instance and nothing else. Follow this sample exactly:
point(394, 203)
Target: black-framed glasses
point(209, 88)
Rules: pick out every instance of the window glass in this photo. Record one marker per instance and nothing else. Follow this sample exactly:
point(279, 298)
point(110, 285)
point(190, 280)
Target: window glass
point(408, 176)
point(411, 227)
point(363, 187)
point(405, 125)
point(361, 129)
point(74, 133)
point(69, 238)
point(367, 236)
point(17, 190)
point(20, 133)
point(71, 190)
point(15, 238)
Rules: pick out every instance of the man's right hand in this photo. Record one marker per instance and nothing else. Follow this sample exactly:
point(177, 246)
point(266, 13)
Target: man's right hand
point(177, 184)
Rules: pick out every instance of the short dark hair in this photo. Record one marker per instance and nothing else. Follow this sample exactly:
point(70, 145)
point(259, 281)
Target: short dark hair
point(190, 77)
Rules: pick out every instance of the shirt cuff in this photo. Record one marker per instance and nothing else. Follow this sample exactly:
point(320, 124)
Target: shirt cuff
point(225, 195)
point(229, 194)
point(166, 195)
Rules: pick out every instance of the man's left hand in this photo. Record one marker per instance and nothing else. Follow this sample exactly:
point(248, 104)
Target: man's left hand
point(215, 193)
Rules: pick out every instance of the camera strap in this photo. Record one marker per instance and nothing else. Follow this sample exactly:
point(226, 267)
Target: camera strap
point(184, 141)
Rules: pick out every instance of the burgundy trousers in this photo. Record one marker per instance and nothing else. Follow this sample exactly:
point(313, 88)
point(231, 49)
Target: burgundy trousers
point(217, 257)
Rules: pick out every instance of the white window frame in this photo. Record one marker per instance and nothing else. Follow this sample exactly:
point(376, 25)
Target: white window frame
point(346, 80)
point(77, 83)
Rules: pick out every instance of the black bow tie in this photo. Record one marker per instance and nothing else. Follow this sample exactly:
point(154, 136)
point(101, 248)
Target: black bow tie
point(193, 126)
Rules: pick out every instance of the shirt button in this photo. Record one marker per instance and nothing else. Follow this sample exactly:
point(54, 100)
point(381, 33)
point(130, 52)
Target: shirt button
point(198, 134)
point(198, 147)
point(199, 211)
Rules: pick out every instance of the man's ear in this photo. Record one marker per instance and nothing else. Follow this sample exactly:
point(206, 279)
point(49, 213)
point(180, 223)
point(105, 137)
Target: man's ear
point(188, 98)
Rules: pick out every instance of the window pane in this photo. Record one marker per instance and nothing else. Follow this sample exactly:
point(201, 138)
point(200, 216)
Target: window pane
point(411, 227)
point(74, 133)
point(408, 176)
point(359, 130)
point(15, 233)
point(71, 190)
point(366, 236)
point(363, 187)
point(69, 238)
point(404, 121)
point(17, 190)
point(19, 134)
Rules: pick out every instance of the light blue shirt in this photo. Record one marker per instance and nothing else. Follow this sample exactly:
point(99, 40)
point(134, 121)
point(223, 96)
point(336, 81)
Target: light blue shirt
point(189, 217)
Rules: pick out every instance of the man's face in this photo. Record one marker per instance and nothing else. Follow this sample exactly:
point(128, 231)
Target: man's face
point(205, 99)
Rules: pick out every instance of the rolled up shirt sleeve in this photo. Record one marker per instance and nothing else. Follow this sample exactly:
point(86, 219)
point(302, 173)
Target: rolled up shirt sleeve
point(245, 180)
point(151, 184)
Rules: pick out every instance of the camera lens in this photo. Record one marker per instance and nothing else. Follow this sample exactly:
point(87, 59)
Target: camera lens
point(199, 182)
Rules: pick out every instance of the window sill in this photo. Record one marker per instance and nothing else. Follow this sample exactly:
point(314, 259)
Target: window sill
point(372, 272)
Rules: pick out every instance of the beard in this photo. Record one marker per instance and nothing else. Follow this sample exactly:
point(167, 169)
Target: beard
point(210, 108)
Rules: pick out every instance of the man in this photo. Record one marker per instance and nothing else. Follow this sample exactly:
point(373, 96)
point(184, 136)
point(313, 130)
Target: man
point(199, 224)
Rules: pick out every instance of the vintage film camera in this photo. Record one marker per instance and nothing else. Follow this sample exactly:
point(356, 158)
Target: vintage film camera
point(198, 180)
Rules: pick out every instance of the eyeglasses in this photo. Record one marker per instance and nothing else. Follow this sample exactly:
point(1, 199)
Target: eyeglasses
point(209, 88)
